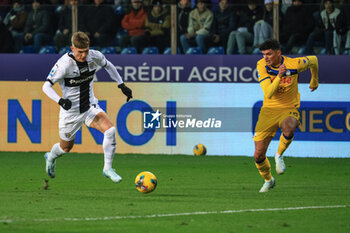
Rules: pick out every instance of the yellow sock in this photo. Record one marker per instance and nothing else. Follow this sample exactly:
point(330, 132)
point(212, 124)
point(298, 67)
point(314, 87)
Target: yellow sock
point(264, 169)
point(284, 143)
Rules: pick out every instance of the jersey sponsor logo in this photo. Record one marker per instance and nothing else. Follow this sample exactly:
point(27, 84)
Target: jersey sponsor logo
point(78, 81)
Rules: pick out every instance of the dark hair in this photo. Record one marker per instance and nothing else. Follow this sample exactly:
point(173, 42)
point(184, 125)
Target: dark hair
point(270, 44)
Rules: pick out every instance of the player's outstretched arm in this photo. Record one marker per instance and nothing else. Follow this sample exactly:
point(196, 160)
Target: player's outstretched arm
point(313, 65)
point(113, 73)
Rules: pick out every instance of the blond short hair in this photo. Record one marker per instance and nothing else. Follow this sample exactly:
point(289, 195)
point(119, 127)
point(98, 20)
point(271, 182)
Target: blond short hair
point(80, 40)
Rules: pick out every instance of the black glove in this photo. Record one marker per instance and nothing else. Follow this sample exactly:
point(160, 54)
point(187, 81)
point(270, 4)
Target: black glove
point(126, 91)
point(65, 103)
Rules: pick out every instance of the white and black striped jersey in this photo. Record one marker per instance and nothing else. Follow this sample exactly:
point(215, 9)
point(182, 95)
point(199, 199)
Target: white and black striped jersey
point(76, 78)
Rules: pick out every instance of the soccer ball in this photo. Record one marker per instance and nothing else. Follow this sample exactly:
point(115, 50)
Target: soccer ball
point(146, 182)
point(199, 150)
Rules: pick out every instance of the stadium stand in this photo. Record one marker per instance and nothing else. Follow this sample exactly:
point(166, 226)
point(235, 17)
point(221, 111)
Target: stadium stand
point(167, 51)
point(120, 39)
point(150, 50)
point(194, 50)
point(216, 50)
point(129, 50)
point(64, 50)
point(27, 49)
point(47, 49)
point(108, 50)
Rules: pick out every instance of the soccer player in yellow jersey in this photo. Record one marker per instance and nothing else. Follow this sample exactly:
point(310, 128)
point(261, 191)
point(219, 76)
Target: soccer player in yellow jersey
point(278, 77)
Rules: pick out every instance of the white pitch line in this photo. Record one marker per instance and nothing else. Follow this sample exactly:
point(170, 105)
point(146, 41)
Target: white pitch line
point(4, 220)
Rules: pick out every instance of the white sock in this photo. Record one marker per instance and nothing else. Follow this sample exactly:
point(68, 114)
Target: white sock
point(109, 145)
point(56, 152)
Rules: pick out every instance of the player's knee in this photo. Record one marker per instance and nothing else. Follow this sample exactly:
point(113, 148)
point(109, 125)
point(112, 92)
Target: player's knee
point(259, 155)
point(109, 141)
point(288, 131)
point(288, 134)
point(289, 126)
point(111, 132)
point(67, 148)
point(260, 151)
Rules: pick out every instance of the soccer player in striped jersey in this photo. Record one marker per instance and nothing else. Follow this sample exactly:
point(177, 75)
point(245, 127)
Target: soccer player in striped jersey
point(278, 77)
point(74, 72)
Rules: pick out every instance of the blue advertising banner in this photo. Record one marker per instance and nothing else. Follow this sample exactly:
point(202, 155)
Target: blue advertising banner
point(171, 119)
point(171, 69)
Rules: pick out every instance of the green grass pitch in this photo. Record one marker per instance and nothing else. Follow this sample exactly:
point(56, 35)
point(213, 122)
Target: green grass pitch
point(210, 194)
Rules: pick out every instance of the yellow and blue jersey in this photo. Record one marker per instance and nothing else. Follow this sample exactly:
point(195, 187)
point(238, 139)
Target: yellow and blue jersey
point(286, 95)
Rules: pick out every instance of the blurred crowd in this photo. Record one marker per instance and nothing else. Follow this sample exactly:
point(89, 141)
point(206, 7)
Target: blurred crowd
point(234, 26)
